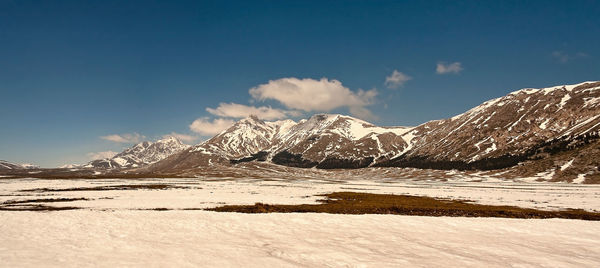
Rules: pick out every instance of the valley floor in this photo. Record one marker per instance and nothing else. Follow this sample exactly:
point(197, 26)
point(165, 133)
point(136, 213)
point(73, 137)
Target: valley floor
point(206, 192)
point(158, 222)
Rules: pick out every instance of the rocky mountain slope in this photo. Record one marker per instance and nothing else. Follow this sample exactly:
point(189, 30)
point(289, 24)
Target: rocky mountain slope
point(5, 165)
point(141, 154)
point(524, 125)
point(520, 130)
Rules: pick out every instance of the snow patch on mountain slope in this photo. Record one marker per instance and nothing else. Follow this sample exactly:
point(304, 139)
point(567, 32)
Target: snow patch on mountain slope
point(544, 124)
point(409, 138)
point(359, 129)
point(563, 101)
point(591, 102)
point(282, 127)
point(581, 124)
point(314, 125)
point(580, 178)
point(567, 165)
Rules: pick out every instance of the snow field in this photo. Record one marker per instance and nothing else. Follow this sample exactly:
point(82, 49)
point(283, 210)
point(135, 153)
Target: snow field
point(211, 239)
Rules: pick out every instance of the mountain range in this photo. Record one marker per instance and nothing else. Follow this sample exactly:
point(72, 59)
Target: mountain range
point(553, 129)
point(550, 131)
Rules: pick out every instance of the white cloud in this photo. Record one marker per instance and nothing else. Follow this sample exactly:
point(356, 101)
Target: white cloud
point(235, 110)
point(204, 126)
point(101, 155)
point(445, 68)
point(396, 79)
point(312, 95)
point(124, 138)
point(563, 57)
point(182, 137)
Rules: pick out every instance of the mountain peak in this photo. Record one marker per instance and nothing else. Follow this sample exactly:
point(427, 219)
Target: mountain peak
point(251, 119)
point(324, 117)
point(169, 139)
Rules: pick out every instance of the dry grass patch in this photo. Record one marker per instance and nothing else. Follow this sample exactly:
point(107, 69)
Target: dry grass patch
point(366, 203)
point(43, 200)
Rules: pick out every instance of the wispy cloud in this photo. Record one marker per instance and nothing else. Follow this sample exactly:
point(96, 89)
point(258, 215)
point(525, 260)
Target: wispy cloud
point(124, 138)
point(396, 79)
point(182, 137)
point(234, 110)
point(101, 155)
point(313, 95)
point(448, 68)
point(563, 57)
point(204, 126)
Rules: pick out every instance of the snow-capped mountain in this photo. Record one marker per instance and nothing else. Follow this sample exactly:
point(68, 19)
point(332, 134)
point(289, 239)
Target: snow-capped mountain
point(10, 166)
point(332, 141)
point(246, 137)
point(521, 128)
point(141, 154)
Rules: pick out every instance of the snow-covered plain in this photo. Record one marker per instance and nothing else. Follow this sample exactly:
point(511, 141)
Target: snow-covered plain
point(119, 227)
point(210, 239)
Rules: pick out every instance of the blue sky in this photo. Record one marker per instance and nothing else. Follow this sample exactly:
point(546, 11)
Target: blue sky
point(82, 77)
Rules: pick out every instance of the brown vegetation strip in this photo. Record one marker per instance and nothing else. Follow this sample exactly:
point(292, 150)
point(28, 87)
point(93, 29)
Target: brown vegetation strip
point(29, 204)
point(35, 208)
point(111, 188)
point(43, 200)
point(365, 203)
